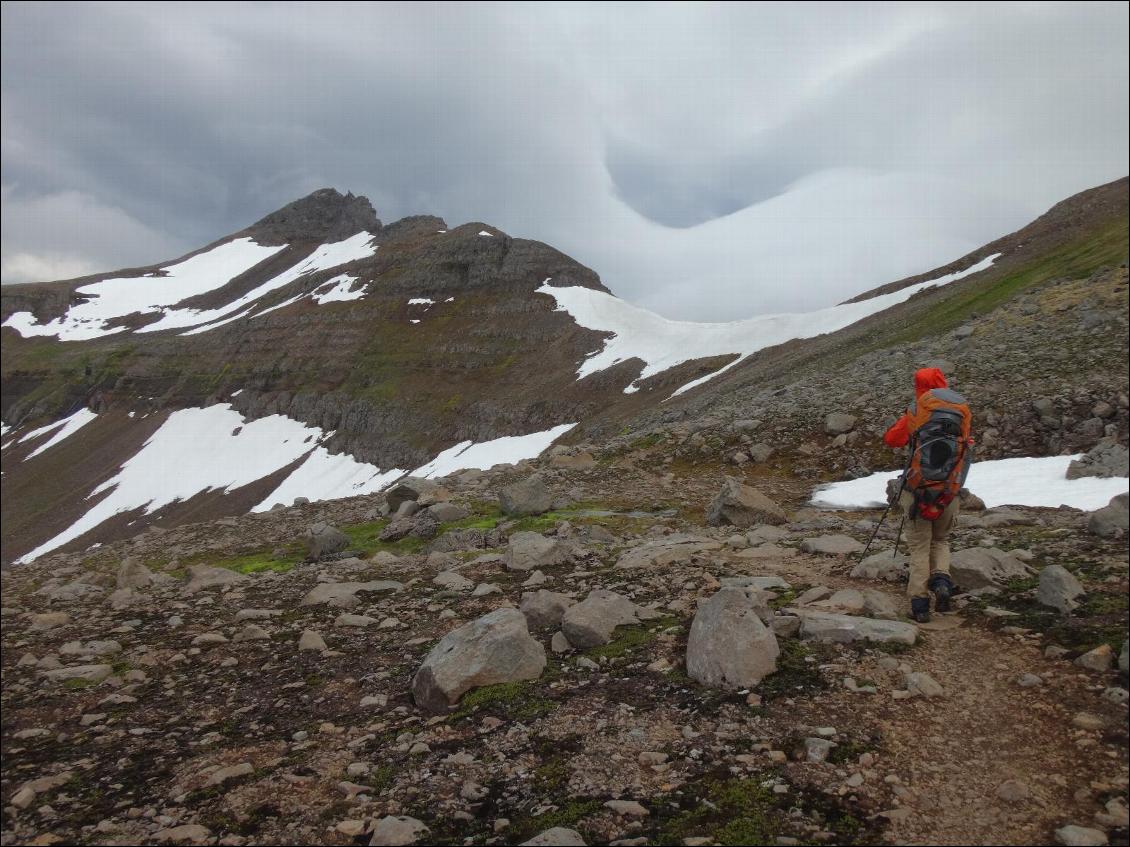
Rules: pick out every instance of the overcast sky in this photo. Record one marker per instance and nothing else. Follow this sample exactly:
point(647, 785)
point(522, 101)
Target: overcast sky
point(708, 161)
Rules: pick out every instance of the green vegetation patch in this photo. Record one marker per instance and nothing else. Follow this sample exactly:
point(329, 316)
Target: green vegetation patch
point(727, 811)
point(628, 639)
point(517, 701)
point(795, 674)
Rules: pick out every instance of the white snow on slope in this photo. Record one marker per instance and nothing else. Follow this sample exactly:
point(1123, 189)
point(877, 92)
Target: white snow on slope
point(323, 258)
point(338, 290)
point(663, 343)
point(508, 449)
point(1012, 482)
point(215, 449)
point(121, 296)
point(421, 301)
point(69, 426)
point(326, 477)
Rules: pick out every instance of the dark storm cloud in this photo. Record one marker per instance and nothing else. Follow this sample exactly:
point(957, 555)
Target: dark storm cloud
point(709, 161)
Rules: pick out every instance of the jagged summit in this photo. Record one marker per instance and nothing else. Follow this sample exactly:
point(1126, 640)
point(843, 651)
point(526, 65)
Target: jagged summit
point(322, 215)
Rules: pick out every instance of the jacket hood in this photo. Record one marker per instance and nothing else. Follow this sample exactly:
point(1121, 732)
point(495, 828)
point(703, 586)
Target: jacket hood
point(927, 378)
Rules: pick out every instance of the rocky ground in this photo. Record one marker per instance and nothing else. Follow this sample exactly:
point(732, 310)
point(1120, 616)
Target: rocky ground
point(612, 668)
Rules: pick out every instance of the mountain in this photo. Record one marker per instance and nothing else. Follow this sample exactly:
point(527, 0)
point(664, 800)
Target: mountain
point(321, 353)
point(626, 605)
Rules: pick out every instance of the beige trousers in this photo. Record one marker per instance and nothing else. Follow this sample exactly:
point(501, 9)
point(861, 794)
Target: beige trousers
point(929, 544)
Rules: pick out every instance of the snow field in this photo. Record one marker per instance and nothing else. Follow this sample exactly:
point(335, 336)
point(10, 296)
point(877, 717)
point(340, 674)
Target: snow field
point(663, 343)
point(1012, 482)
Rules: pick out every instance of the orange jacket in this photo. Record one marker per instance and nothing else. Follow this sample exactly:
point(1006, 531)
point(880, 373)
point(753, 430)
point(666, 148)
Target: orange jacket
point(924, 380)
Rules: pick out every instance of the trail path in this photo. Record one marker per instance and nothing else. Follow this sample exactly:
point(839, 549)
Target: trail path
point(951, 755)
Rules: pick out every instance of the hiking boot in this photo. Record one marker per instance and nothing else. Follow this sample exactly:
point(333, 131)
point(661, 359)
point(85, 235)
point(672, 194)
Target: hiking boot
point(942, 587)
point(920, 609)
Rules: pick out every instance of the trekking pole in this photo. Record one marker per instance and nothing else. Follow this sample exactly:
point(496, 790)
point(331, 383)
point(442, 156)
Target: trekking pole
point(898, 537)
point(882, 518)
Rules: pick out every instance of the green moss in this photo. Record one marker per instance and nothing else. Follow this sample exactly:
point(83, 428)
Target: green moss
point(795, 673)
point(510, 700)
point(569, 815)
point(382, 778)
point(731, 811)
point(75, 684)
point(628, 639)
point(259, 562)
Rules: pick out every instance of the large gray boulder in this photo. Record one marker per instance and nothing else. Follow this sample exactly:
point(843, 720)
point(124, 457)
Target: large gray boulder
point(844, 629)
point(544, 609)
point(729, 646)
point(397, 831)
point(529, 550)
point(422, 491)
point(526, 497)
point(743, 506)
point(831, 545)
point(1108, 458)
point(492, 649)
point(202, 577)
point(1059, 589)
point(666, 551)
point(133, 574)
point(558, 836)
point(591, 622)
point(343, 595)
point(321, 539)
point(889, 566)
point(838, 423)
point(985, 567)
point(1113, 519)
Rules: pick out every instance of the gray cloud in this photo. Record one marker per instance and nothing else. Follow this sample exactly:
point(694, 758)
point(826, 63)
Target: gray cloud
point(710, 162)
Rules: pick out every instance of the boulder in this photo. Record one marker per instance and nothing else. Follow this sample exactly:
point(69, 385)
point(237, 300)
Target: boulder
point(1108, 458)
point(743, 506)
point(312, 640)
point(1080, 836)
point(1099, 659)
point(397, 831)
point(558, 836)
point(1113, 519)
point(985, 567)
point(85, 673)
point(831, 545)
point(666, 551)
point(544, 609)
point(729, 646)
point(492, 649)
point(1059, 589)
point(888, 566)
point(410, 488)
point(844, 629)
point(529, 550)
point(591, 622)
point(201, 577)
point(838, 423)
point(343, 595)
point(526, 497)
point(446, 512)
point(322, 539)
point(453, 580)
point(133, 574)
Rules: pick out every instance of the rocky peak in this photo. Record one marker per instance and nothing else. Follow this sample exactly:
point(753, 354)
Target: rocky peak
point(324, 215)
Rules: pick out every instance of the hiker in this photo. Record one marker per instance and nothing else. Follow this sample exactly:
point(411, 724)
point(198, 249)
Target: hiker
point(936, 426)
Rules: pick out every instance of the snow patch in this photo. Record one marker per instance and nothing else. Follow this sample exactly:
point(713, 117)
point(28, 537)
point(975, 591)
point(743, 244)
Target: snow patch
point(421, 301)
point(69, 426)
point(323, 476)
point(323, 258)
point(1012, 482)
point(509, 449)
point(663, 343)
point(121, 296)
point(487, 234)
point(339, 290)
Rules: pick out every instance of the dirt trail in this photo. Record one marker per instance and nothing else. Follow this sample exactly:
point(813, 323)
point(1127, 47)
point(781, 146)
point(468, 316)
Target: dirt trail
point(952, 754)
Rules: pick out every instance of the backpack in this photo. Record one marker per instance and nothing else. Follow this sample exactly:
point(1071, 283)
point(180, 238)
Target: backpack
point(941, 451)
